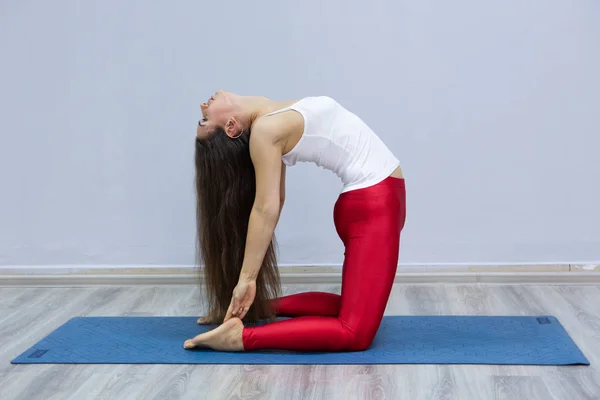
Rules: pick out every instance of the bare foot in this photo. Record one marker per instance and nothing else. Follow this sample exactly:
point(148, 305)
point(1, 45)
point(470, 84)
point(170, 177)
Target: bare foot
point(227, 337)
point(204, 321)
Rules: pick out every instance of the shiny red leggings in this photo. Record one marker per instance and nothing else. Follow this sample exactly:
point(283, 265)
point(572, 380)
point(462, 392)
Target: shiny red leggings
point(369, 222)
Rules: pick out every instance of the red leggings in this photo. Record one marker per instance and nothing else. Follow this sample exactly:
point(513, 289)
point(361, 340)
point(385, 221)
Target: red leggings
point(369, 222)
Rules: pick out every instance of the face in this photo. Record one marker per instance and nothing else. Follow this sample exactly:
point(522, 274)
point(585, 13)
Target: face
point(218, 111)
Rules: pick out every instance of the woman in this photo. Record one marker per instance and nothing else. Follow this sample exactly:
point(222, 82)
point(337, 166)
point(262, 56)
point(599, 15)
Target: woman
point(240, 180)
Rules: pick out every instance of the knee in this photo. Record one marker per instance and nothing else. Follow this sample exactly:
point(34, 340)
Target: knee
point(360, 340)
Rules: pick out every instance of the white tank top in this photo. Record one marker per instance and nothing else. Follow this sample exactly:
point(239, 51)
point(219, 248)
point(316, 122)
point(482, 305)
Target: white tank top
point(338, 140)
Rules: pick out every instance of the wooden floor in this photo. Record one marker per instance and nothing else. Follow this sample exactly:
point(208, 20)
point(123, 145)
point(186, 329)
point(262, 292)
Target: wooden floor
point(29, 314)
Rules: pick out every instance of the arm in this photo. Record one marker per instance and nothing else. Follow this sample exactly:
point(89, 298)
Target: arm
point(270, 174)
point(282, 187)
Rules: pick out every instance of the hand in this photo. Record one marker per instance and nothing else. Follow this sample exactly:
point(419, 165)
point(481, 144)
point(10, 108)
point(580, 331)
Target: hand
point(242, 299)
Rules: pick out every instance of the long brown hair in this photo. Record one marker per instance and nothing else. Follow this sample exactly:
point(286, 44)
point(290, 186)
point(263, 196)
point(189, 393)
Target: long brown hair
point(225, 188)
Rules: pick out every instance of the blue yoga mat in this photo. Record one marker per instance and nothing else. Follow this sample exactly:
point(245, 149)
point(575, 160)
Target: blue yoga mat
point(400, 340)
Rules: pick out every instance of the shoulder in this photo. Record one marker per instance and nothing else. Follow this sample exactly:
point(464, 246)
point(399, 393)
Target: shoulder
point(266, 141)
point(269, 131)
point(267, 126)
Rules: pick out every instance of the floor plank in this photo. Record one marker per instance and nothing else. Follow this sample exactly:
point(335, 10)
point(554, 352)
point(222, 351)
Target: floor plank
point(29, 314)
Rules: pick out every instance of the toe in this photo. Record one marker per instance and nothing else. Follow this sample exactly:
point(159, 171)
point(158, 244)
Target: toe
point(189, 344)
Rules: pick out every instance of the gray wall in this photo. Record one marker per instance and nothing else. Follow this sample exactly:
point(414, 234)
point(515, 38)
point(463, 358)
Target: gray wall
point(492, 108)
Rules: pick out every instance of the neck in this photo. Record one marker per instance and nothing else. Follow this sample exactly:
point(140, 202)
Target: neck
point(253, 107)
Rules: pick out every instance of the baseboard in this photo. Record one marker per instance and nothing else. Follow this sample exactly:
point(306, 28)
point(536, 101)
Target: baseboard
point(73, 276)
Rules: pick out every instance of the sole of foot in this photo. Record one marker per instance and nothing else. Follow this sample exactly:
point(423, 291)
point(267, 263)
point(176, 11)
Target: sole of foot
point(226, 337)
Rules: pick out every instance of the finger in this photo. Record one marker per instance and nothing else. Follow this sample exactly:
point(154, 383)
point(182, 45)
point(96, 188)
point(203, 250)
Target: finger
point(202, 321)
point(229, 313)
point(243, 313)
point(235, 307)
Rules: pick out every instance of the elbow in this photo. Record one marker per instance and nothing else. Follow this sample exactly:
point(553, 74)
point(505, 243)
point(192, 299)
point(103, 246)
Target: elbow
point(268, 211)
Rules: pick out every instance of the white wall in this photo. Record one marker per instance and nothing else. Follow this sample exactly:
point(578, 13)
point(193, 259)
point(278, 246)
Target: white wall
point(492, 108)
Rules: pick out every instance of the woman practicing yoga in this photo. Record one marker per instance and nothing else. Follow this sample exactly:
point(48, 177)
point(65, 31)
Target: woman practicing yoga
point(243, 146)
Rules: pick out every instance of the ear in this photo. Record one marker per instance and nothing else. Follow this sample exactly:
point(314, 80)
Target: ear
point(233, 128)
